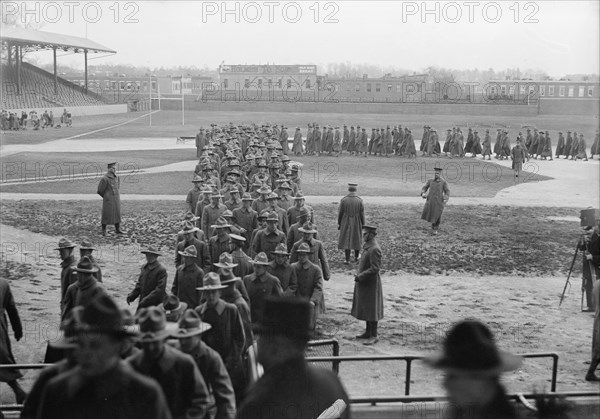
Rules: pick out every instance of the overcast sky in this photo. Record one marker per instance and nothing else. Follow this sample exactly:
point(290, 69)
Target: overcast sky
point(559, 37)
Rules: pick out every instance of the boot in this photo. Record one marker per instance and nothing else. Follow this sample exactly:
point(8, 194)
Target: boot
point(367, 333)
point(104, 229)
point(20, 394)
point(374, 338)
point(118, 229)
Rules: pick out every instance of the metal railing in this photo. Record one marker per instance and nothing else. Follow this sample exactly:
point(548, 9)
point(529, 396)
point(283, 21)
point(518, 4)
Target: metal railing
point(336, 360)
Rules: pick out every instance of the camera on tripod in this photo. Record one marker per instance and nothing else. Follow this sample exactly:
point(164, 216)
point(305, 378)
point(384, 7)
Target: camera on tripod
point(589, 217)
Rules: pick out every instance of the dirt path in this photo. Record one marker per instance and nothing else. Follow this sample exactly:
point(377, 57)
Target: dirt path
point(523, 312)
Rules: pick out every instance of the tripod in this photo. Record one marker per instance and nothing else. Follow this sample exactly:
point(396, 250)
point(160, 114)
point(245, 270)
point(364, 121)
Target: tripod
point(592, 271)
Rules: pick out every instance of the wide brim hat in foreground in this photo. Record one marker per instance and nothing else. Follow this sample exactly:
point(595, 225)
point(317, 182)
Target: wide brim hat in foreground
point(286, 317)
point(152, 250)
point(172, 307)
point(211, 282)
point(86, 244)
point(470, 348)
point(261, 259)
point(85, 266)
point(153, 325)
point(225, 261)
point(65, 244)
point(190, 325)
point(102, 315)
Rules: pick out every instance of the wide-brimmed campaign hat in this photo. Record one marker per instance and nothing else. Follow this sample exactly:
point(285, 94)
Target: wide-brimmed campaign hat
point(237, 238)
point(307, 227)
point(303, 248)
point(299, 195)
point(85, 266)
point(288, 317)
point(272, 216)
point(211, 281)
point(153, 324)
point(247, 197)
point(272, 196)
point(188, 227)
point(470, 348)
point(189, 216)
point(197, 179)
point(225, 261)
point(303, 212)
point(101, 315)
point(264, 190)
point(86, 244)
point(261, 259)
point(172, 307)
point(221, 223)
point(280, 250)
point(369, 228)
point(152, 250)
point(189, 251)
point(190, 325)
point(65, 244)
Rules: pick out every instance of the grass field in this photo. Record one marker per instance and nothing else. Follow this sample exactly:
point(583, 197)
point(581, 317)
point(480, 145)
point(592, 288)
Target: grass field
point(168, 123)
point(320, 176)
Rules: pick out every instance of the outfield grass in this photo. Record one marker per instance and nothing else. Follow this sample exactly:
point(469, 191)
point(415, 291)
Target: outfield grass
point(377, 176)
point(168, 123)
point(44, 166)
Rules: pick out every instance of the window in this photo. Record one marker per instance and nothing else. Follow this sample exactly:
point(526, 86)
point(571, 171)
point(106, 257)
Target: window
point(542, 90)
point(308, 83)
point(225, 83)
point(398, 88)
point(511, 89)
point(581, 91)
point(368, 87)
point(590, 91)
point(389, 87)
point(550, 90)
point(561, 90)
point(571, 91)
point(503, 89)
point(357, 87)
point(377, 87)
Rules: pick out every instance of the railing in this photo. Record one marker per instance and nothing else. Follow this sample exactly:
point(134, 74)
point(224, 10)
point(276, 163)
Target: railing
point(336, 360)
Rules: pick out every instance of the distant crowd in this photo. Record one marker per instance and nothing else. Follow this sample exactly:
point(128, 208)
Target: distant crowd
point(11, 121)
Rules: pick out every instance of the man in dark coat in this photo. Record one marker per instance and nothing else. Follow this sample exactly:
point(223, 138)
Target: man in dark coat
point(189, 232)
point(290, 383)
point(180, 379)
point(351, 218)
point(280, 268)
point(518, 157)
point(8, 306)
point(108, 189)
point(85, 249)
point(438, 194)
point(85, 290)
point(317, 256)
point(260, 284)
point(210, 364)
point(310, 282)
point(367, 302)
point(67, 275)
point(151, 283)
point(200, 142)
point(188, 278)
point(102, 385)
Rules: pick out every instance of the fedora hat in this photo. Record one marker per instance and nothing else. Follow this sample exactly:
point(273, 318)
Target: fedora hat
point(221, 223)
point(225, 261)
point(303, 248)
point(85, 266)
point(152, 250)
point(190, 217)
point(68, 326)
point(190, 325)
point(188, 227)
point(280, 250)
point(65, 244)
point(153, 324)
point(307, 227)
point(102, 315)
point(261, 259)
point(189, 251)
point(470, 348)
point(172, 307)
point(86, 244)
point(237, 238)
point(211, 281)
point(287, 317)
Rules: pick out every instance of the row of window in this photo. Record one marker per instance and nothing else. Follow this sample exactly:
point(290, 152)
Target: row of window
point(116, 85)
point(546, 91)
point(268, 82)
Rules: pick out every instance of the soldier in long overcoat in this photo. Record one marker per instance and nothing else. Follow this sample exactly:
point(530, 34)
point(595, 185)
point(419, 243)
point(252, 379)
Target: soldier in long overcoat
point(351, 218)
point(8, 307)
point(297, 146)
point(367, 301)
point(518, 156)
point(108, 189)
point(437, 194)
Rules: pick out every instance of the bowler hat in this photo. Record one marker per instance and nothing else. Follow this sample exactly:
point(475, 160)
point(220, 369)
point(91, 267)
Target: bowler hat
point(261, 259)
point(65, 244)
point(285, 317)
point(211, 281)
point(172, 307)
point(85, 266)
point(470, 348)
point(153, 324)
point(189, 251)
point(225, 261)
point(101, 315)
point(190, 325)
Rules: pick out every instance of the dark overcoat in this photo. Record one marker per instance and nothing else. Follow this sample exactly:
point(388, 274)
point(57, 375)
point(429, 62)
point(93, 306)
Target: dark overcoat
point(367, 302)
point(434, 206)
point(8, 306)
point(108, 189)
point(351, 218)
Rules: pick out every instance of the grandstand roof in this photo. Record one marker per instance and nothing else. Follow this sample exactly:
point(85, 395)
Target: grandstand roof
point(48, 40)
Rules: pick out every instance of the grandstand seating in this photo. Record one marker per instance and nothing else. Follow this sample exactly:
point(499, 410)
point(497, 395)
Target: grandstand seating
point(37, 90)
